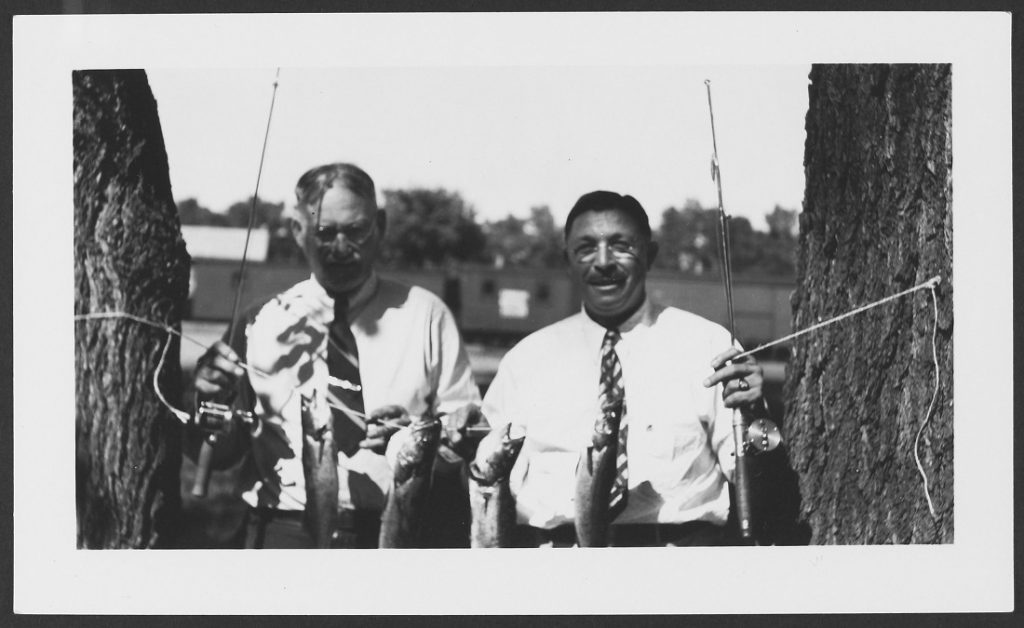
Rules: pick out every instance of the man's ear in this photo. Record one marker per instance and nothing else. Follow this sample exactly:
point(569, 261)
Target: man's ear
point(652, 252)
point(382, 221)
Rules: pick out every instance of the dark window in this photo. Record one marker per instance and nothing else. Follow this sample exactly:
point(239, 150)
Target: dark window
point(487, 287)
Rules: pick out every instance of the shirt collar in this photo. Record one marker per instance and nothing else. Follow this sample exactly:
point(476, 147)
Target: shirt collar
point(594, 332)
point(356, 302)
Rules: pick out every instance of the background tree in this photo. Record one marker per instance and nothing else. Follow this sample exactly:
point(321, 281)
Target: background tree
point(688, 238)
point(129, 257)
point(190, 212)
point(534, 242)
point(430, 228)
point(783, 224)
point(270, 216)
point(876, 221)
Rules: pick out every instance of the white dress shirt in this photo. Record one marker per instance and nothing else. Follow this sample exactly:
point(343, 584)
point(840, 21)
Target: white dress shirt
point(410, 354)
point(680, 446)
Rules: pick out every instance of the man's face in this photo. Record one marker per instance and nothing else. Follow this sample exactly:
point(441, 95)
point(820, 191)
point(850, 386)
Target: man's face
point(609, 258)
point(341, 240)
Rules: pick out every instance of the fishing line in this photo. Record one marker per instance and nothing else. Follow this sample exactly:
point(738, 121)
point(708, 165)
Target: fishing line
point(180, 414)
point(930, 284)
point(928, 415)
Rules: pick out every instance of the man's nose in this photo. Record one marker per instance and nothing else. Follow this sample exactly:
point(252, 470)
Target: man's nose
point(341, 245)
point(604, 259)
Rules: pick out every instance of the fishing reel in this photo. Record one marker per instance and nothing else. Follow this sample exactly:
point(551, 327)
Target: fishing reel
point(219, 418)
point(216, 420)
point(762, 435)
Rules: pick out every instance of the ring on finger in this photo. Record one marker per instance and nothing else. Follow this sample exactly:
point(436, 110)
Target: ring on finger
point(743, 384)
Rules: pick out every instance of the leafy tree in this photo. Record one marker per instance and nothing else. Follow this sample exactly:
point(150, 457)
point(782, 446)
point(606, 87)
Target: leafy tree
point(688, 238)
point(782, 223)
point(534, 242)
point(190, 212)
point(270, 216)
point(431, 228)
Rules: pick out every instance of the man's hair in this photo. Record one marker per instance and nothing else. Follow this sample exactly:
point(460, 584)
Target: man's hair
point(312, 186)
point(602, 200)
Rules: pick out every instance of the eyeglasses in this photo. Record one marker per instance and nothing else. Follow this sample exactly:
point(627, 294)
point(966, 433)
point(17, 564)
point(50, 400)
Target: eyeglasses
point(358, 233)
point(622, 249)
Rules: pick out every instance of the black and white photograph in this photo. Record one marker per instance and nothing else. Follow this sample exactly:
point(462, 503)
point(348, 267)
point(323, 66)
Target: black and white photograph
point(556, 303)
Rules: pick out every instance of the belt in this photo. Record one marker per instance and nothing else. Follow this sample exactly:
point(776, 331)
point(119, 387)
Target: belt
point(355, 528)
point(347, 518)
point(633, 534)
point(268, 514)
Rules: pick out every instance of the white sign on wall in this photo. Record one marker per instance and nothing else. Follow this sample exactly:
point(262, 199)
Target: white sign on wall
point(513, 303)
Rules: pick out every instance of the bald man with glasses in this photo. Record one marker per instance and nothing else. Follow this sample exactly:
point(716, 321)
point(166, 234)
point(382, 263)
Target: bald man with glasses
point(345, 355)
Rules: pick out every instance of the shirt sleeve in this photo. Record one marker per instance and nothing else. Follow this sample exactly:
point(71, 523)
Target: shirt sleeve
point(450, 369)
point(500, 394)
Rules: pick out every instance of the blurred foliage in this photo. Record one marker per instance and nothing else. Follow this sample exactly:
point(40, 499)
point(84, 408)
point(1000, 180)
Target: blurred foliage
point(534, 242)
point(437, 228)
point(431, 229)
point(689, 241)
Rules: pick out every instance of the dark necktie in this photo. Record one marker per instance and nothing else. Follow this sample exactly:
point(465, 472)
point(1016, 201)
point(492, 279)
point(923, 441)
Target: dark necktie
point(345, 384)
point(611, 394)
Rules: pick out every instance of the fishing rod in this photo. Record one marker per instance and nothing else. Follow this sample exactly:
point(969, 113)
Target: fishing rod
point(216, 418)
point(761, 435)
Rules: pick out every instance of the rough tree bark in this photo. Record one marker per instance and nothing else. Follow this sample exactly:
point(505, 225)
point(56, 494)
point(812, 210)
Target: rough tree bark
point(129, 257)
point(876, 220)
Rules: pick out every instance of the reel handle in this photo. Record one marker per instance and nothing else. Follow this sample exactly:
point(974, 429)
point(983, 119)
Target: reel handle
point(204, 467)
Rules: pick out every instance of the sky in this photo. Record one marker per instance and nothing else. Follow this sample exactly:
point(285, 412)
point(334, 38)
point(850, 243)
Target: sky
point(506, 138)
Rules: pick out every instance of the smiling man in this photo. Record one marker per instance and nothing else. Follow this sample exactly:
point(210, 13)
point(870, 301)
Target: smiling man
point(333, 366)
point(664, 372)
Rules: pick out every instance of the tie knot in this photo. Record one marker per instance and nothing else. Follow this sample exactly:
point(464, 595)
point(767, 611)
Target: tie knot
point(341, 309)
point(611, 337)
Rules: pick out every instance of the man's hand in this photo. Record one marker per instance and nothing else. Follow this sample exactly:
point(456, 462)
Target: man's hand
point(457, 433)
point(381, 425)
point(741, 381)
point(218, 373)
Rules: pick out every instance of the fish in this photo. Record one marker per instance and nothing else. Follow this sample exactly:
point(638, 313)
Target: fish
point(491, 502)
point(320, 469)
point(401, 524)
point(595, 474)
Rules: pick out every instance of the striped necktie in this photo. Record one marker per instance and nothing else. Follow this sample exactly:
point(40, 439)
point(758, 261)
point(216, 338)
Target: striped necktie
point(344, 384)
point(612, 394)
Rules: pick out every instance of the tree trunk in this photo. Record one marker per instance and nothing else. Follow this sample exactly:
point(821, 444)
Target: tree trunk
point(877, 220)
point(129, 257)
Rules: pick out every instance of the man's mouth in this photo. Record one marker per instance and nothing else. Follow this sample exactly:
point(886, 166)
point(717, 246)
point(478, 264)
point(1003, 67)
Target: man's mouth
point(339, 263)
point(606, 282)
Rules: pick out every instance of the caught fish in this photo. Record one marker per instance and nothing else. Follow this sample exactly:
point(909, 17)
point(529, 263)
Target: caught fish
point(402, 521)
point(320, 468)
point(490, 500)
point(594, 477)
